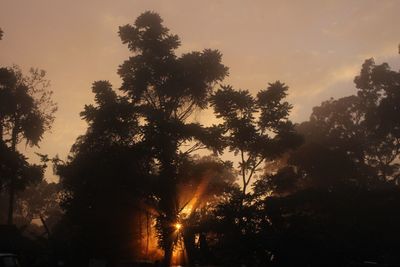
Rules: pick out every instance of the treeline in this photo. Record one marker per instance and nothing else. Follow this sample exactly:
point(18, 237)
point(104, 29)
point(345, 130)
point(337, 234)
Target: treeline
point(323, 192)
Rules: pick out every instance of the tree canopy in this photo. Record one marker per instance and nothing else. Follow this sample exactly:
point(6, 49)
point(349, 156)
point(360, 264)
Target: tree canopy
point(26, 112)
point(257, 129)
point(166, 89)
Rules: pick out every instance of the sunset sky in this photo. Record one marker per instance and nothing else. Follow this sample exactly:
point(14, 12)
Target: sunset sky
point(315, 47)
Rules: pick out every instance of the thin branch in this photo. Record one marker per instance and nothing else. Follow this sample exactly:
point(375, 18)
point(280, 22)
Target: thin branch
point(244, 163)
point(253, 170)
point(150, 100)
point(194, 148)
point(186, 113)
point(180, 210)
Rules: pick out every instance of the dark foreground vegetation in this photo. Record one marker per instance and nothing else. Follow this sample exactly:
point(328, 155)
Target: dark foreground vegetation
point(324, 192)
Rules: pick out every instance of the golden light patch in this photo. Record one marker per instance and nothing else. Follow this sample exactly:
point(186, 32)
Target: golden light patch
point(178, 226)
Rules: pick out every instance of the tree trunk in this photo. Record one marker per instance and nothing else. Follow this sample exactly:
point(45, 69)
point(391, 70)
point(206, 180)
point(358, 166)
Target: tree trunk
point(168, 248)
point(168, 225)
point(1, 129)
point(169, 207)
point(46, 227)
point(10, 220)
point(147, 233)
point(168, 193)
point(11, 200)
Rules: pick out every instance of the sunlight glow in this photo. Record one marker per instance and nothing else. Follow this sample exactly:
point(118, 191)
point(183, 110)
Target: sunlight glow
point(178, 226)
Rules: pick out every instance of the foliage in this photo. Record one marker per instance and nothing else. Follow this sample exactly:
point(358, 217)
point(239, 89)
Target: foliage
point(14, 163)
point(27, 110)
point(336, 195)
point(104, 180)
point(37, 208)
point(167, 89)
point(113, 122)
point(258, 129)
point(204, 180)
point(319, 227)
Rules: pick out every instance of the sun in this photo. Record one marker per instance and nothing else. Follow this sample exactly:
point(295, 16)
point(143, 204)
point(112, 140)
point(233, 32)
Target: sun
point(178, 226)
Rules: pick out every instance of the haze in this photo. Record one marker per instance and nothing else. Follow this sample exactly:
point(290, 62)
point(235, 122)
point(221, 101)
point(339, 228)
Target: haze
point(316, 47)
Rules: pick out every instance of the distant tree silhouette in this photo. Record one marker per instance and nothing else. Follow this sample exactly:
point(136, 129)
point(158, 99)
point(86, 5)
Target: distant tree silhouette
point(167, 89)
point(379, 92)
point(26, 112)
point(336, 196)
point(39, 201)
point(353, 140)
point(1, 34)
point(256, 129)
point(365, 126)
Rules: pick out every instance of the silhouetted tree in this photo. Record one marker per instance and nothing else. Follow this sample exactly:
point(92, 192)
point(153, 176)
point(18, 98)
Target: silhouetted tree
point(167, 89)
point(256, 129)
point(26, 112)
point(104, 180)
point(40, 201)
point(379, 94)
point(337, 194)
point(14, 164)
point(365, 126)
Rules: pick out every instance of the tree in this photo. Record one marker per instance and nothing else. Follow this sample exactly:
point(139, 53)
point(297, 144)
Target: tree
point(340, 188)
point(105, 179)
point(26, 112)
point(40, 201)
point(379, 94)
point(167, 89)
point(364, 127)
point(259, 131)
point(14, 164)
point(1, 34)
point(353, 140)
point(256, 129)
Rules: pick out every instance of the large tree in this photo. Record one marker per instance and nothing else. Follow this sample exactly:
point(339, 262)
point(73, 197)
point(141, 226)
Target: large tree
point(167, 88)
point(26, 112)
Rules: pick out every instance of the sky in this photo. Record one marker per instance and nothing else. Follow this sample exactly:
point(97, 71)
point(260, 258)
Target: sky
point(315, 47)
